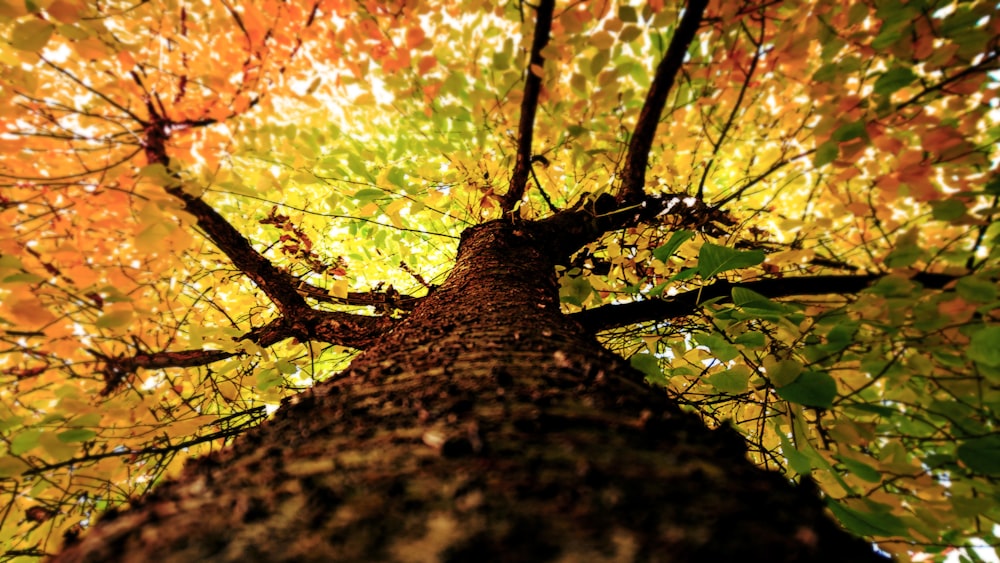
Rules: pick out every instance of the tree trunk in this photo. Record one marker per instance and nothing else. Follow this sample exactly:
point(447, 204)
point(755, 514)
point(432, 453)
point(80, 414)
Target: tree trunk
point(487, 426)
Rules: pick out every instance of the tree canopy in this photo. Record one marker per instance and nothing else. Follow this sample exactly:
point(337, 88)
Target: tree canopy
point(208, 207)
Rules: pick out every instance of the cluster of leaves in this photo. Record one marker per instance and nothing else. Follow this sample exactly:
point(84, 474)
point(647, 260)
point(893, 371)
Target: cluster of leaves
point(800, 140)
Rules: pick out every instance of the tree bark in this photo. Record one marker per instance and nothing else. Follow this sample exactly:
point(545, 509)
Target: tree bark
point(485, 426)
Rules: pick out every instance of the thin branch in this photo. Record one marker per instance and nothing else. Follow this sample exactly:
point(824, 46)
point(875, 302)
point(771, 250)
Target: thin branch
point(529, 105)
point(156, 450)
point(717, 144)
point(334, 327)
point(687, 303)
point(637, 158)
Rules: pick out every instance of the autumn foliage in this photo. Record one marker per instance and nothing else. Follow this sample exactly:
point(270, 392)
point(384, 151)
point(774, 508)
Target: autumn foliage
point(823, 275)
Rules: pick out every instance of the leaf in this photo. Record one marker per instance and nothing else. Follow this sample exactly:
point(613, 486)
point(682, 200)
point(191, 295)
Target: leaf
point(714, 259)
point(798, 461)
point(826, 153)
point(76, 435)
point(810, 388)
point(732, 381)
point(31, 35)
point(893, 80)
point(25, 441)
point(29, 313)
point(115, 319)
point(947, 209)
point(368, 194)
point(862, 470)
point(984, 346)
point(721, 349)
point(575, 290)
point(867, 523)
point(976, 289)
point(782, 372)
point(981, 455)
point(662, 253)
point(11, 466)
point(649, 365)
point(849, 131)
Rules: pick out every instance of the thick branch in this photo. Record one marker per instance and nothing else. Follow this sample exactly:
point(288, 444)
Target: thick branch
point(384, 301)
point(279, 287)
point(529, 105)
point(687, 303)
point(634, 173)
point(569, 230)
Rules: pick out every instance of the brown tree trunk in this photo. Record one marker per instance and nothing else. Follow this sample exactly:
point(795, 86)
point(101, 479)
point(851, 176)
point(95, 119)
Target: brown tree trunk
point(487, 426)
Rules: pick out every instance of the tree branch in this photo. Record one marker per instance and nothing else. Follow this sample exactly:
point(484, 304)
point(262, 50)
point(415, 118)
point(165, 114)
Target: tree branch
point(342, 329)
point(687, 303)
point(279, 286)
point(637, 157)
point(529, 105)
point(384, 301)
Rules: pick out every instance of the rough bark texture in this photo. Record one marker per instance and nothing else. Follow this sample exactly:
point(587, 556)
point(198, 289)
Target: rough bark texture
point(486, 426)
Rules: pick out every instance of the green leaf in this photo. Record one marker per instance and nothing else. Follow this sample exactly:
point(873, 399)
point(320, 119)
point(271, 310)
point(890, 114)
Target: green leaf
point(976, 289)
point(874, 523)
point(685, 274)
point(826, 153)
point(25, 441)
point(732, 381)
point(993, 186)
point(114, 319)
point(721, 349)
point(676, 240)
point(649, 365)
point(783, 372)
point(398, 177)
point(798, 461)
point(904, 256)
point(756, 306)
point(268, 378)
point(743, 296)
point(984, 346)
point(752, 339)
point(849, 131)
point(894, 79)
point(23, 277)
point(31, 35)
point(575, 290)
point(356, 165)
point(947, 209)
point(811, 388)
point(368, 194)
point(981, 455)
point(862, 470)
point(714, 259)
point(76, 435)
point(875, 409)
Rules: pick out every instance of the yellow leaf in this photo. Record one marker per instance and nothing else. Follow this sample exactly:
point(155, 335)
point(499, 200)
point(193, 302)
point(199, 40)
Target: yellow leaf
point(154, 238)
point(339, 289)
point(11, 466)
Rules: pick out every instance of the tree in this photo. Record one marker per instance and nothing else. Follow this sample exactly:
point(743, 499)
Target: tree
point(780, 214)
